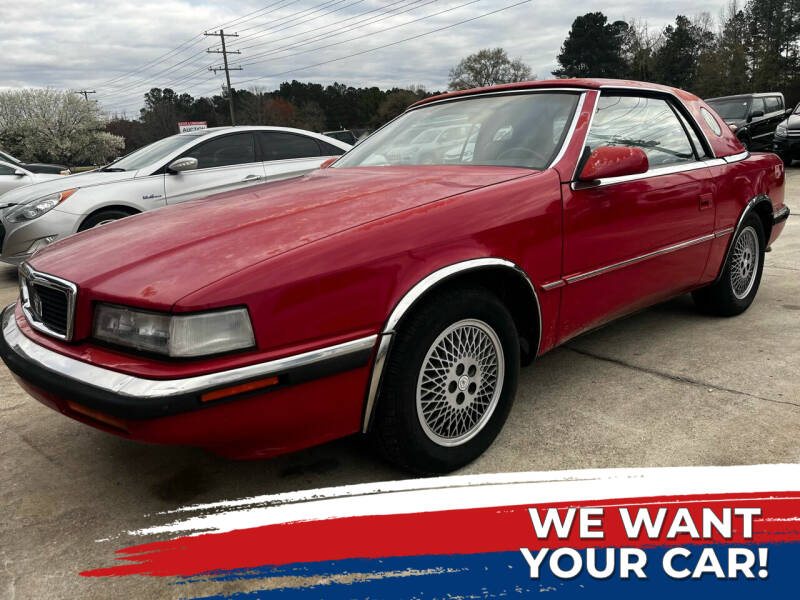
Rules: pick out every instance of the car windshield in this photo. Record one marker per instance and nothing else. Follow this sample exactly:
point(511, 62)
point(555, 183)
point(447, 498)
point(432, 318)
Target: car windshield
point(150, 154)
point(797, 110)
point(518, 130)
point(8, 158)
point(731, 110)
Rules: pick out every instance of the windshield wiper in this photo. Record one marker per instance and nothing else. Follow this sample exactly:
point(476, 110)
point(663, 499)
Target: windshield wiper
point(111, 170)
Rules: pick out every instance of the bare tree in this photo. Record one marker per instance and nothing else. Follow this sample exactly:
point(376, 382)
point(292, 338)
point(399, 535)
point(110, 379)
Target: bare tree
point(489, 66)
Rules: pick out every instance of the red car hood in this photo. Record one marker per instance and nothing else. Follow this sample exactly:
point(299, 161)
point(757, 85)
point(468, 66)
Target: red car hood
point(160, 256)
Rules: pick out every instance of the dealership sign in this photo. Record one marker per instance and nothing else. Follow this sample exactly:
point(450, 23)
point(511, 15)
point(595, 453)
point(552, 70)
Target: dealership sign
point(185, 126)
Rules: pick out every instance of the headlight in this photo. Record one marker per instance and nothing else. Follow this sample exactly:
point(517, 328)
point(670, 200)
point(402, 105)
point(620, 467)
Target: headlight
point(781, 131)
point(36, 208)
point(174, 335)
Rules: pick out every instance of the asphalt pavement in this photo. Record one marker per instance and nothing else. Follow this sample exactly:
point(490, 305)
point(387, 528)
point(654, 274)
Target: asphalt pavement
point(664, 387)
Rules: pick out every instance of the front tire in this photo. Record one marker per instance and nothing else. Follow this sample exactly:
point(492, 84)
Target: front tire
point(103, 217)
point(449, 382)
point(736, 289)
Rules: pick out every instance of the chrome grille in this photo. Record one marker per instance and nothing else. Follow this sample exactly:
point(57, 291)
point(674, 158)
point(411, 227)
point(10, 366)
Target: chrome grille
point(48, 302)
point(793, 133)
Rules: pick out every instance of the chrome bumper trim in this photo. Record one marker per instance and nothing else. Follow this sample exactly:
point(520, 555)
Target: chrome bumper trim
point(137, 387)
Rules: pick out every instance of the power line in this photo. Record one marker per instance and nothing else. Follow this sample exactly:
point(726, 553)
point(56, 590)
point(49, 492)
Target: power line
point(382, 46)
point(222, 35)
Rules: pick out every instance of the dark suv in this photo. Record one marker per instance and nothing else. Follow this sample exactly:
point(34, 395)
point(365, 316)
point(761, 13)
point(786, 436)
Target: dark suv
point(787, 137)
point(753, 117)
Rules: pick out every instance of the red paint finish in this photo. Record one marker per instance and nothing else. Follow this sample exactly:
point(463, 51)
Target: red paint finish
point(324, 259)
point(614, 161)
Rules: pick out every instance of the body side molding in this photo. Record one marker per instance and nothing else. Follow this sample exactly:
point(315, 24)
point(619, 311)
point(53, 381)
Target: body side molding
point(407, 302)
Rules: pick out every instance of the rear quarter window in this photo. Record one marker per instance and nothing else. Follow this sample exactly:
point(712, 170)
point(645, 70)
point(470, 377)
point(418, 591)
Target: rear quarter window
point(710, 121)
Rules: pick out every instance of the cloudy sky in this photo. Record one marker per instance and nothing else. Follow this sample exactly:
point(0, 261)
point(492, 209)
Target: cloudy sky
point(123, 48)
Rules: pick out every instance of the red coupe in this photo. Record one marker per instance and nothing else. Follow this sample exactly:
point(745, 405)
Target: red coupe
point(397, 291)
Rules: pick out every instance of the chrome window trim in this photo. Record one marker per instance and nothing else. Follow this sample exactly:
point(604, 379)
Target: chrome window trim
point(570, 131)
point(736, 157)
point(668, 170)
point(138, 387)
point(489, 93)
point(408, 300)
point(28, 274)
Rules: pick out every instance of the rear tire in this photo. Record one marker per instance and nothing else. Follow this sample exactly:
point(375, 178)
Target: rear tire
point(103, 217)
point(449, 382)
point(736, 289)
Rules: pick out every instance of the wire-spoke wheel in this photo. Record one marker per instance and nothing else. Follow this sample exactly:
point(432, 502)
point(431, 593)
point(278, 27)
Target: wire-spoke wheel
point(460, 382)
point(449, 381)
point(737, 285)
point(744, 262)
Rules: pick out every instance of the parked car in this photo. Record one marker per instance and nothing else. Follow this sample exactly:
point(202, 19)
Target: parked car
point(13, 176)
point(35, 167)
point(343, 135)
point(398, 300)
point(753, 117)
point(173, 170)
point(787, 137)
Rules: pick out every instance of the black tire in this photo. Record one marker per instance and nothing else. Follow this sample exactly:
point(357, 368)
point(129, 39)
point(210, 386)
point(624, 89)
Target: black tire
point(104, 216)
point(398, 430)
point(720, 298)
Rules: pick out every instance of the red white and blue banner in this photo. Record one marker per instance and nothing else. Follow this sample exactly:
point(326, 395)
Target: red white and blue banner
point(730, 532)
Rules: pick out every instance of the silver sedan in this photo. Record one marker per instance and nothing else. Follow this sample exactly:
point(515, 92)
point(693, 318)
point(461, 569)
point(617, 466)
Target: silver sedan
point(172, 170)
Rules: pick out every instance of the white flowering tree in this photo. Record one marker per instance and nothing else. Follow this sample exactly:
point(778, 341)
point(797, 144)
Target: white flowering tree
point(55, 126)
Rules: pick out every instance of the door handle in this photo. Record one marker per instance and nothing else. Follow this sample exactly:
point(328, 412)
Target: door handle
point(706, 201)
point(252, 178)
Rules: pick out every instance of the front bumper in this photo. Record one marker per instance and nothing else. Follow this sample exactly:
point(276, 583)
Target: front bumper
point(318, 396)
point(787, 146)
point(18, 238)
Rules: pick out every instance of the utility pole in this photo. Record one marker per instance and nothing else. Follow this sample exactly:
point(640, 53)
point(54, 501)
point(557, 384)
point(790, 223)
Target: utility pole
point(222, 35)
point(85, 93)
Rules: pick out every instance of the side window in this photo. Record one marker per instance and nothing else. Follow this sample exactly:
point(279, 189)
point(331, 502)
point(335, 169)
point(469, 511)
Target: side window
point(774, 104)
point(329, 149)
point(6, 170)
point(237, 149)
point(758, 106)
point(277, 145)
point(646, 123)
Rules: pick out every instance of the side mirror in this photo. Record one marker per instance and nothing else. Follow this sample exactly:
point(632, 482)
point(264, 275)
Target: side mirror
point(754, 114)
point(328, 163)
point(19, 173)
point(179, 165)
point(614, 161)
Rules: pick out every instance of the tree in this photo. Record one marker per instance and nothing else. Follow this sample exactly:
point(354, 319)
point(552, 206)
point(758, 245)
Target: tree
point(394, 104)
point(594, 48)
point(489, 66)
point(677, 60)
point(55, 126)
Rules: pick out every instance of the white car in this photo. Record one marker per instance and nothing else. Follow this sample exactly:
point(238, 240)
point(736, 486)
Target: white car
point(13, 176)
point(176, 169)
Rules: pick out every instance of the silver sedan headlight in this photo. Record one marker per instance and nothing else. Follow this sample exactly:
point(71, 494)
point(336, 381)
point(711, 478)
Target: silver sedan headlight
point(35, 208)
point(781, 130)
point(200, 334)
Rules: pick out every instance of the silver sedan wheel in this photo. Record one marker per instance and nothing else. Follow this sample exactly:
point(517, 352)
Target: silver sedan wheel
point(744, 262)
point(460, 382)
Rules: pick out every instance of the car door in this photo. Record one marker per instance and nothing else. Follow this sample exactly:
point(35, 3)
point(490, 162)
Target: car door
point(289, 155)
point(760, 131)
point(224, 163)
point(9, 179)
point(634, 240)
point(775, 113)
